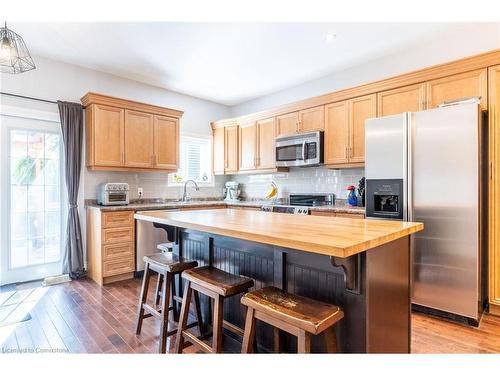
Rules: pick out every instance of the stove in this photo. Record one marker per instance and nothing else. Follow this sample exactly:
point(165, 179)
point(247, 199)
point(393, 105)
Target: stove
point(300, 203)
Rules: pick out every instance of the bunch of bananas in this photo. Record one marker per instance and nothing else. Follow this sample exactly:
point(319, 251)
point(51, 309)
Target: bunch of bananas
point(273, 192)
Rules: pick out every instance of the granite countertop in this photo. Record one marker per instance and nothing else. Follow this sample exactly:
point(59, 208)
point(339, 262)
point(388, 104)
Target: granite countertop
point(159, 204)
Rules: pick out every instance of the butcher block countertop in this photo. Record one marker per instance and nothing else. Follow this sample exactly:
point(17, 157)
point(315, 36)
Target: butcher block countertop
point(333, 236)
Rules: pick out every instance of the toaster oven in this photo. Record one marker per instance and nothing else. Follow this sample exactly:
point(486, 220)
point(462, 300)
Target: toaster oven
point(113, 194)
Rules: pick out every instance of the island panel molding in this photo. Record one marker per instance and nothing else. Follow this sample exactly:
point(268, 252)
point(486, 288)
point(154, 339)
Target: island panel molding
point(333, 236)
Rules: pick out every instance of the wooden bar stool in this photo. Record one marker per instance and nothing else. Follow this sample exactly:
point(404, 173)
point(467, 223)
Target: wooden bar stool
point(299, 316)
point(218, 285)
point(167, 265)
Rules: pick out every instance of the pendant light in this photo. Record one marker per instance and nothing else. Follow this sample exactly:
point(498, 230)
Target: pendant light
point(14, 55)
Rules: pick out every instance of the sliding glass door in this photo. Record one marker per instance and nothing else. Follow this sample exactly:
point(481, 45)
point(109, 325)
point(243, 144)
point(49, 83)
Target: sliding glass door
point(33, 199)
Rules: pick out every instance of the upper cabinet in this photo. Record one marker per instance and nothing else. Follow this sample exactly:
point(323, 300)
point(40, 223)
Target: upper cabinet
point(231, 149)
point(360, 109)
point(403, 99)
point(126, 135)
point(138, 139)
point(105, 135)
point(345, 130)
point(458, 86)
point(303, 121)
point(312, 119)
point(287, 124)
point(225, 148)
point(166, 154)
point(336, 139)
point(248, 146)
point(266, 132)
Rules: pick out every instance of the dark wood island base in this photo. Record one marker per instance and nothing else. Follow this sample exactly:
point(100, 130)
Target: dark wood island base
point(377, 310)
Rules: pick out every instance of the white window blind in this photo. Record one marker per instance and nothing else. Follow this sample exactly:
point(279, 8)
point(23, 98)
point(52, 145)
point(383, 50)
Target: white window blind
point(195, 161)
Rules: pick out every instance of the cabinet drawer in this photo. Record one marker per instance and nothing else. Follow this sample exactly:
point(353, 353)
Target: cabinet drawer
point(118, 251)
point(116, 267)
point(114, 235)
point(117, 219)
point(352, 216)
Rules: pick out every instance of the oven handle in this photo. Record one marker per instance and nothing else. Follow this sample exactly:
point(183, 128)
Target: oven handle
point(304, 145)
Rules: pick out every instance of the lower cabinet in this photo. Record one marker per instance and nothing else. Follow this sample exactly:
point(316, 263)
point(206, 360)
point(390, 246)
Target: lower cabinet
point(338, 214)
point(110, 245)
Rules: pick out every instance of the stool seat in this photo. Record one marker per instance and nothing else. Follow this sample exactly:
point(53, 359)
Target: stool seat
point(170, 262)
point(310, 315)
point(218, 281)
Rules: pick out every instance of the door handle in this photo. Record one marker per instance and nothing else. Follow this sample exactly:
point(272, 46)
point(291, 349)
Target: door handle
point(304, 145)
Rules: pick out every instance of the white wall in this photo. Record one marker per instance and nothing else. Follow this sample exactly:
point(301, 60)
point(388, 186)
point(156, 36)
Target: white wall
point(59, 81)
point(463, 41)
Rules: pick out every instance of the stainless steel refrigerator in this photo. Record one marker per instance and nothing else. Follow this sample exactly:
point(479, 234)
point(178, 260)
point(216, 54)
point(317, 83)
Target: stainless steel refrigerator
point(428, 166)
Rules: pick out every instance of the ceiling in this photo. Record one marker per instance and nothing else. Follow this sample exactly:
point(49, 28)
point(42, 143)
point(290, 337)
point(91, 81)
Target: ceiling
point(227, 63)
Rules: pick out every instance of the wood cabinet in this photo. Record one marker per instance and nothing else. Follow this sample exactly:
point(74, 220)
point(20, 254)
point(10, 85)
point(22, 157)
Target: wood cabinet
point(345, 130)
point(458, 86)
point(350, 215)
point(266, 133)
point(311, 119)
point(231, 149)
point(218, 150)
point(336, 138)
point(403, 99)
point(225, 149)
point(494, 189)
point(138, 139)
point(105, 139)
point(124, 135)
point(110, 245)
point(166, 154)
point(303, 121)
point(287, 124)
point(248, 146)
point(360, 109)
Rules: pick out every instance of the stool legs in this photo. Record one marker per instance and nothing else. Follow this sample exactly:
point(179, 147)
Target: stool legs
point(186, 301)
point(164, 311)
point(142, 298)
point(249, 335)
point(159, 283)
point(331, 340)
point(303, 342)
point(217, 323)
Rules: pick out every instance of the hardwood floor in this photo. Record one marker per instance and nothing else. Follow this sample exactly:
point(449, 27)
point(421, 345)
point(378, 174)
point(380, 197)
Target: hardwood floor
point(82, 317)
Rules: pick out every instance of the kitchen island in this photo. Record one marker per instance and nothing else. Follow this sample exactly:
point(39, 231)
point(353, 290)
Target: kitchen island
point(363, 266)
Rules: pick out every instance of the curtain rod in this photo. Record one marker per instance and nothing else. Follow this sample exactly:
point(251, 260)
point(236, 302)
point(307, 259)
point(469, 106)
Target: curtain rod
point(27, 97)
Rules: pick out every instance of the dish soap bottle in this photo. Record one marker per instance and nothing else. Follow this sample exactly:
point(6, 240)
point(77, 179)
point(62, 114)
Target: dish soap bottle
point(352, 199)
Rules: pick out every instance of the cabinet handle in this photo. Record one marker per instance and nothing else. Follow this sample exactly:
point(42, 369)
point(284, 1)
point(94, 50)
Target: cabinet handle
point(123, 157)
point(346, 153)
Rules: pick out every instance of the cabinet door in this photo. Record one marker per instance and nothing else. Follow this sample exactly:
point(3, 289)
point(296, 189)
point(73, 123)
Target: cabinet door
point(138, 139)
point(287, 124)
point(108, 136)
point(312, 119)
point(231, 149)
point(166, 142)
point(360, 109)
point(266, 131)
point(336, 133)
point(218, 151)
point(403, 99)
point(247, 139)
point(458, 86)
point(494, 189)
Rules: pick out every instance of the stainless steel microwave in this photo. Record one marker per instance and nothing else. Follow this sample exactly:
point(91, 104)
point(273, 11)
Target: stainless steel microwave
point(299, 150)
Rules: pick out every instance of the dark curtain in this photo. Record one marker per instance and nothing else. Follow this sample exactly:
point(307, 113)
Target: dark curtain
point(72, 131)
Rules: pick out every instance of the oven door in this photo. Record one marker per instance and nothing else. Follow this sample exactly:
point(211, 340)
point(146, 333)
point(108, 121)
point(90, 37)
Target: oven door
point(298, 152)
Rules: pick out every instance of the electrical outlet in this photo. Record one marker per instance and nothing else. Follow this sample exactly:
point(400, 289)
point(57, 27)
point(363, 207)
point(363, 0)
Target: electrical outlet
point(140, 192)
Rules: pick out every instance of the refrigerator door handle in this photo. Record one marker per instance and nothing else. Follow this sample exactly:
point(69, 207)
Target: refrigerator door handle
point(409, 167)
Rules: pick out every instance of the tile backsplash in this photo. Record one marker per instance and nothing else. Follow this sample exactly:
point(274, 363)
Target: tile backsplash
point(301, 180)
point(154, 185)
point(298, 180)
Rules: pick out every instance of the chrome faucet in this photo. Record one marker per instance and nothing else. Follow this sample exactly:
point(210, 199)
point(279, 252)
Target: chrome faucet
point(185, 195)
